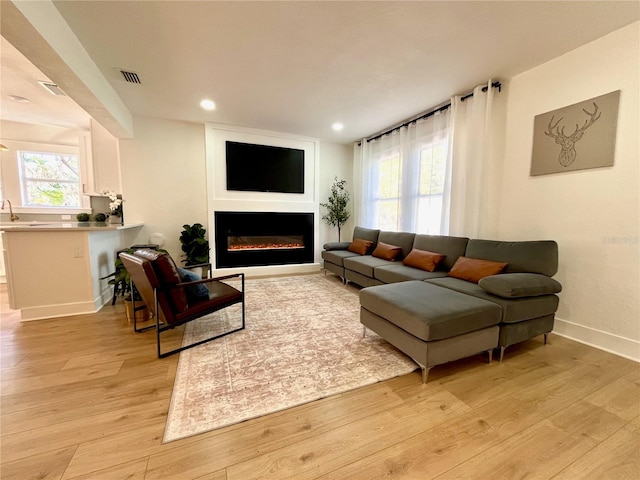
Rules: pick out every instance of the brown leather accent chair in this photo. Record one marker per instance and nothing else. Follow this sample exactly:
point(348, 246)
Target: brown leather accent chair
point(156, 277)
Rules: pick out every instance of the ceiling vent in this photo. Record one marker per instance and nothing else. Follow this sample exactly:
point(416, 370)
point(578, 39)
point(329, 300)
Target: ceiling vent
point(130, 77)
point(53, 89)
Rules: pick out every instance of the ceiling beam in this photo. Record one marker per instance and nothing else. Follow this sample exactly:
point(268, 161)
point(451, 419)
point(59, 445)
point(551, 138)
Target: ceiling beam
point(40, 33)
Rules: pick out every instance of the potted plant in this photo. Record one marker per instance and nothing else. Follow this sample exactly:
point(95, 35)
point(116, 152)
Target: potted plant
point(337, 213)
point(194, 244)
point(100, 217)
point(115, 205)
point(82, 217)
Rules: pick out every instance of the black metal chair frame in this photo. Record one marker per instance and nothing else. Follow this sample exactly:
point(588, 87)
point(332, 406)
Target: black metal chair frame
point(163, 327)
point(160, 327)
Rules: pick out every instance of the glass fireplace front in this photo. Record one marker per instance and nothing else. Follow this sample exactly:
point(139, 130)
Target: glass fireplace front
point(244, 239)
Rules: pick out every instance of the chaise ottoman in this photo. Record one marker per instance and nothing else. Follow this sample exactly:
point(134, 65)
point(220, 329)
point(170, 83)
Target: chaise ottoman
point(431, 324)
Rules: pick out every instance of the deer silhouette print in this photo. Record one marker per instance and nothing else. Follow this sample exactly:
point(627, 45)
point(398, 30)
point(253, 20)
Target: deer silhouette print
point(568, 143)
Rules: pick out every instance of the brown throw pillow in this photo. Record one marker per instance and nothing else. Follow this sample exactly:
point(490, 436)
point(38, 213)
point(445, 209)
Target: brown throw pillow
point(387, 252)
point(423, 259)
point(474, 269)
point(360, 246)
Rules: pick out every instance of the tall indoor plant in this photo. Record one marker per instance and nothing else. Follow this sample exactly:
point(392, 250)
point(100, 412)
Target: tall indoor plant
point(194, 244)
point(337, 211)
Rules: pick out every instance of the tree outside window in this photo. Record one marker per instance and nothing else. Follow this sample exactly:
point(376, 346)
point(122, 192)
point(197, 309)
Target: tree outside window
point(50, 179)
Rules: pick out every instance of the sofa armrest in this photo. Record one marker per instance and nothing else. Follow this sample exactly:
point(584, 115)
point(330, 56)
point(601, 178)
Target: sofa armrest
point(518, 285)
point(336, 245)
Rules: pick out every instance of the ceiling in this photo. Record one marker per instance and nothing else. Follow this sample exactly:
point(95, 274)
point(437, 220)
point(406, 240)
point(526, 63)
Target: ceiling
point(298, 67)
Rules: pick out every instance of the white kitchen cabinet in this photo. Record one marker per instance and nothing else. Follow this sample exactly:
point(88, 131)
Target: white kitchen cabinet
point(102, 161)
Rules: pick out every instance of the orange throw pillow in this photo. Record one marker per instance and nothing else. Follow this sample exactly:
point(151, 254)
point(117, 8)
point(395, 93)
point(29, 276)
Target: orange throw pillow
point(423, 259)
point(360, 246)
point(387, 252)
point(474, 269)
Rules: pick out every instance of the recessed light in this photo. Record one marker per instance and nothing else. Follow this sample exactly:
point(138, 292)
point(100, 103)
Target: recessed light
point(208, 104)
point(18, 98)
point(337, 126)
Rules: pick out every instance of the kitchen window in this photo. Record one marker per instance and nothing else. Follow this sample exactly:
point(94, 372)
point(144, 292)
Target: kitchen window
point(49, 179)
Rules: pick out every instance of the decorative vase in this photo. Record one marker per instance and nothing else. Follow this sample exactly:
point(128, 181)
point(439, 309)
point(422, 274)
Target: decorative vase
point(115, 220)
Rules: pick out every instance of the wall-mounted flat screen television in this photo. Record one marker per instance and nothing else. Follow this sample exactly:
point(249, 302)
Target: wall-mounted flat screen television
point(264, 168)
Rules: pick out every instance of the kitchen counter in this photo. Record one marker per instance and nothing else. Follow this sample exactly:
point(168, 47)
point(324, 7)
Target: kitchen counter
point(58, 269)
point(65, 226)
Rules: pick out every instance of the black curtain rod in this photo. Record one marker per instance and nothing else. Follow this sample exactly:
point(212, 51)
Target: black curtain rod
point(430, 113)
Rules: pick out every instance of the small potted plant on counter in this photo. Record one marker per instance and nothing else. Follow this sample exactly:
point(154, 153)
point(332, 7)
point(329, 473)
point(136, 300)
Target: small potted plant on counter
point(82, 217)
point(100, 217)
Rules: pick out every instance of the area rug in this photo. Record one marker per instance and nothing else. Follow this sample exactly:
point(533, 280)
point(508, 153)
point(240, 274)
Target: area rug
point(303, 342)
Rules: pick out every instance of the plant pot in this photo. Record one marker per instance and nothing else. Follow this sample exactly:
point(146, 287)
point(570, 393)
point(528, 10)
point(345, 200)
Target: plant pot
point(142, 312)
point(115, 220)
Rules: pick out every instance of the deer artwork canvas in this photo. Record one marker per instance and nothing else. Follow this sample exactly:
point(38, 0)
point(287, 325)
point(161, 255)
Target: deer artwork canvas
point(576, 137)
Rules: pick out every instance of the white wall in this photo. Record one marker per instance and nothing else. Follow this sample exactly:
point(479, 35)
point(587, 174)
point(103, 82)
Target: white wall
point(592, 214)
point(336, 160)
point(164, 179)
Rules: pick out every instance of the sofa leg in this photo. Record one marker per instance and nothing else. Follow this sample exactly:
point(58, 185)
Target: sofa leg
point(490, 352)
point(545, 338)
point(364, 331)
point(425, 373)
point(502, 353)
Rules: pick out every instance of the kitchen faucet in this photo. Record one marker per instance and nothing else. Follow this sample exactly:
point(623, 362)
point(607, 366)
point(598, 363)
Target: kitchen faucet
point(12, 215)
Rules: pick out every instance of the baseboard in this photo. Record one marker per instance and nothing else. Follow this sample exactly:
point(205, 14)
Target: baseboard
point(60, 310)
point(621, 346)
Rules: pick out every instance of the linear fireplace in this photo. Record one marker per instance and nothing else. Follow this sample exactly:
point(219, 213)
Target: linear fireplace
point(246, 239)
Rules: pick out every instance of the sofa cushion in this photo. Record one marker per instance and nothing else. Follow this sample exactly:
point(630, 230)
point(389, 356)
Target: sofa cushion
point(451, 247)
point(397, 272)
point(387, 252)
point(516, 285)
point(366, 234)
point(427, 311)
point(365, 264)
point(337, 256)
point(403, 240)
point(360, 246)
point(474, 269)
point(540, 256)
point(423, 260)
point(513, 309)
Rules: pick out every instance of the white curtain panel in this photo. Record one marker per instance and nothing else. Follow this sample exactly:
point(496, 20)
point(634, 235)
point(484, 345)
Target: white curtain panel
point(470, 182)
point(400, 177)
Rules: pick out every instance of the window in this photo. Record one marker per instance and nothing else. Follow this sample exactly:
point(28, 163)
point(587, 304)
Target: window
point(389, 190)
point(433, 163)
point(403, 178)
point(50, 179)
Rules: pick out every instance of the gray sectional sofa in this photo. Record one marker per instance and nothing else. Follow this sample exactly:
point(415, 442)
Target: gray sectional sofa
point(435, 317)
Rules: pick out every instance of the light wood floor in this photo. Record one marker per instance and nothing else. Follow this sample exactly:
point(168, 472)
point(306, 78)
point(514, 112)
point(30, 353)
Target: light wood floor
point(85, 398)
